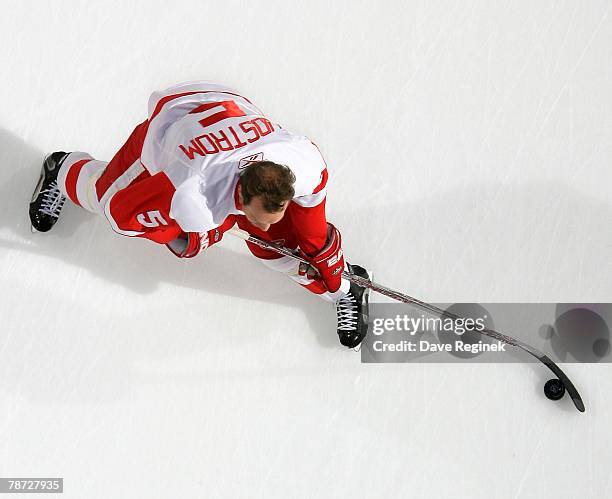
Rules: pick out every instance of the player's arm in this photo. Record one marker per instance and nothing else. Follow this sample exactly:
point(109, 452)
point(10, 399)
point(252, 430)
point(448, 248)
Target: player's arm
point(318, 239)
point(144, 209)
point(190, 244)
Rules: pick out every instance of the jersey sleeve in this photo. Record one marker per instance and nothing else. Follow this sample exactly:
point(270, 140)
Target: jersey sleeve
point(308, 218)
point(142, 209)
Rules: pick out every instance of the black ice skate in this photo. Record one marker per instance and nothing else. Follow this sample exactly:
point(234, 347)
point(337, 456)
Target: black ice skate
point(47, 200)
point(352, 311)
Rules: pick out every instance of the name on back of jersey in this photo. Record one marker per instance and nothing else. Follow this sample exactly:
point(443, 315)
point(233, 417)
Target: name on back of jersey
point(227, 138)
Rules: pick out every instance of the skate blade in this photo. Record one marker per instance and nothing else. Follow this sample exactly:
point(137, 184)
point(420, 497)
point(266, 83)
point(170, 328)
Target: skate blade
point(38, 187)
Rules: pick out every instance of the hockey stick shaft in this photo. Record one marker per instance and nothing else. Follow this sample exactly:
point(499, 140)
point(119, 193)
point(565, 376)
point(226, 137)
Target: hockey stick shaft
point(366, 283)
point(401, 297)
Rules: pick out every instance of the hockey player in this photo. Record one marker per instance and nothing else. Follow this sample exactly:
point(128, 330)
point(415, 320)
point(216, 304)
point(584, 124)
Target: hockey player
point(207, 159)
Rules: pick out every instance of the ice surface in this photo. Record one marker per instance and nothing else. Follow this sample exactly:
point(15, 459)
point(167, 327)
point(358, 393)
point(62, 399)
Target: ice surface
point(469, 145)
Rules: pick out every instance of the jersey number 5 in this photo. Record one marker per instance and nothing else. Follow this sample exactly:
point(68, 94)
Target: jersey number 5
point(151, 219)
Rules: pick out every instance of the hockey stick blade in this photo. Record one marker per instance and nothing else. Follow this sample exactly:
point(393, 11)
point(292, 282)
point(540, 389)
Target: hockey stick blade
point(401, 297)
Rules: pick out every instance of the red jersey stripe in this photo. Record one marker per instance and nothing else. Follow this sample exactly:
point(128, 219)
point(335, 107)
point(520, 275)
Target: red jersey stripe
point(323, 182)
point(124, 159)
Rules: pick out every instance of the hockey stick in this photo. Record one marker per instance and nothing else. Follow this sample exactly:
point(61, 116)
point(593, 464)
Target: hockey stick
point(396, 295)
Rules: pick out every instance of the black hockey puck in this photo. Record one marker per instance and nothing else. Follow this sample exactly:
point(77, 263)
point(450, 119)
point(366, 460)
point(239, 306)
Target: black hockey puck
point(554, 389)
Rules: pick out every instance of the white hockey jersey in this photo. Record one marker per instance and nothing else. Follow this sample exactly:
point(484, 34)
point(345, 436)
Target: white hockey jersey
point(179, 170)
point(202, 134)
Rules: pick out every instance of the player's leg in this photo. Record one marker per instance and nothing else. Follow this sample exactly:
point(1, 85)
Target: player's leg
point(90, 183)
point(77, 179)
point(87, 182)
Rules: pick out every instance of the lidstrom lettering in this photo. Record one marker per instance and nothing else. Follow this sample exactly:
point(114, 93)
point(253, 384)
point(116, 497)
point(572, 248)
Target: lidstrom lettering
point(228, 138)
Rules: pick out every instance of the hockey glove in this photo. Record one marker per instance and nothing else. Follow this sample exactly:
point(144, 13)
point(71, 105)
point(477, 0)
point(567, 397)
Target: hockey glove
point(329, 262)
point(189, 244)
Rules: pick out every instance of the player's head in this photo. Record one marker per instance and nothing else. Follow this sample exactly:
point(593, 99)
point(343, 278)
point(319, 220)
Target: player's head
point(264, 191)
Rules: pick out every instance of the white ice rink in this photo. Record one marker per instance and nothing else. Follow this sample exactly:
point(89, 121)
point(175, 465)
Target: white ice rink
point(470, 148)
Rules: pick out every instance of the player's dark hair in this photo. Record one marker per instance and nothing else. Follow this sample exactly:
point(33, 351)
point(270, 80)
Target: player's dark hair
point(271, 181)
